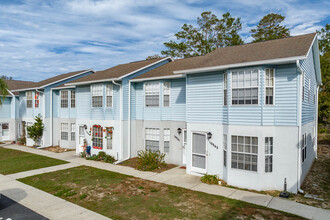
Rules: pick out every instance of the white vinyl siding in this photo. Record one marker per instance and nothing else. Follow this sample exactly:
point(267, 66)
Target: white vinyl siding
point(244, 154)
point(245, 87)
point(73, 132)
point(167, 136)
point(29, 99)
point(97, 95)
point(73, 98)
point(152, 139)
point(268, 154)
point(109, 95)
point(166, 93)
point(64, 99)
point(64, 131)
point(152, 94)
point(269, 83)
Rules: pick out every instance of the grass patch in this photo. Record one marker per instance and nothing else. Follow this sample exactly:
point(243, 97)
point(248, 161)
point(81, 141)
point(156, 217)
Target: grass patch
point(15, 161)
point(120, 196)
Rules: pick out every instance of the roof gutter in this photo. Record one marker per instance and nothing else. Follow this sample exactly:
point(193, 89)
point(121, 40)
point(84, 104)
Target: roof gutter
point(89, 82)
point(236, 65)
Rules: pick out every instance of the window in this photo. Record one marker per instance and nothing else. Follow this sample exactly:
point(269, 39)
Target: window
point(184, 137)
point(152, 94)
point(303, 85)
point(303, 149)
point(225, 150)
point(109, 133)
point(64, 131)
point(244, 154)
point(167, 92)
point(73, 132)
point(64, 99)
point(73, 98)
point(109, 94)
point(5, 130)
point(97, 136)
point(268, 154)
point(97, 95)
point(167, 136)
point(81, 135)
point(152, 139)
point(29, 99)
point(225, 84)
point(269, 83)
point(36, 100)
point(245, 87)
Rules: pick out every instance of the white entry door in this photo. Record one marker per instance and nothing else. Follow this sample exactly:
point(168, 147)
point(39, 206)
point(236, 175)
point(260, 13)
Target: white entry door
point(199, 153)
point(184, 146)
point(5, 131)
point(81, 135)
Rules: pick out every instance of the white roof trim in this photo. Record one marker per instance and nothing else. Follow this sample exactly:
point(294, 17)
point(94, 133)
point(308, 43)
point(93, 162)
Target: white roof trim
point(90, 70)
point(142, 68)
point(90, 82)
point(254, 63)
point(26, 89)
point(158, 77)
point(64, 87)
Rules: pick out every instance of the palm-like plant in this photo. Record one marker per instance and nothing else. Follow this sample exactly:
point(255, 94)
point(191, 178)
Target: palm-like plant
point(3, 90)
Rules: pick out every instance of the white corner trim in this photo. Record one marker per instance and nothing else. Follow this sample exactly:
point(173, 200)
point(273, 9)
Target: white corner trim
point(158, 77)
point(254, 63)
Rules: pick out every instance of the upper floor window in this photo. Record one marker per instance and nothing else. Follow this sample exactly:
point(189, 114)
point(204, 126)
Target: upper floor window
point(36, 100)
point(73, 98)
point(152, 94)
point(225, 84)
point(269, 85)
point(64, 99)
point(29, 99)
point(97, 95)
point(109, 95)
point(245, 87)
point(244, 154)
point(166, 93)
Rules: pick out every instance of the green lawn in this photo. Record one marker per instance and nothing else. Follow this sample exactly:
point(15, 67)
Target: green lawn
point(125, 197)
point(14, 161)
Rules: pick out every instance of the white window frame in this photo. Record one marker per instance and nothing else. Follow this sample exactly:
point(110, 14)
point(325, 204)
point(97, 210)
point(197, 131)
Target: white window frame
point(152, 134)
point(244, 87)
point(151, 89)
point(269, 85)
point(109, 95)
point(36, 99)
point(167, 139)
point(109, 139)
point(97, 137)
point(73, 132)
point(29, 99)
point(97, 92)
point(225, 146)
point(304, 148)
point(64, 131)
point(167, 92)
point(269, 154)
point(225, 89)
point(243, 153)
point(73, 98)
point(64, 99)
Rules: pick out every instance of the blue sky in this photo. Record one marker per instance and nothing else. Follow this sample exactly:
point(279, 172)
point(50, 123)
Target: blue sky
point(40, 39)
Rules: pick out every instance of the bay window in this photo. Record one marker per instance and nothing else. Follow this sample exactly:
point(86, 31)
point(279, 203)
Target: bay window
point(245, 87)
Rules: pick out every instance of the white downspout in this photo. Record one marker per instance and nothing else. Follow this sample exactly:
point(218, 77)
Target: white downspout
point(14, 108)
point(120, 117)
point(299, 127)
point(51, 117)
point(316, 117)
point(129, 119)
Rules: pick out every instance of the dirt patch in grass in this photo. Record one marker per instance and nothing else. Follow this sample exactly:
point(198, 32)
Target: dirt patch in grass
point(134, 161)
point(125, 197)
point(57, 149)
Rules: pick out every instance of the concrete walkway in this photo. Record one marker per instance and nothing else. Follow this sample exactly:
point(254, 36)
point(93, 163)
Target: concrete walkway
point(178, 177)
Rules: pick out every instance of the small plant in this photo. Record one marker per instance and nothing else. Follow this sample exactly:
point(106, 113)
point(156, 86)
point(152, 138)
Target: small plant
point(102, 156)
point(83, 196)
point(210, 179)
point(36, 130)
point(109, 159)
point(149, 161)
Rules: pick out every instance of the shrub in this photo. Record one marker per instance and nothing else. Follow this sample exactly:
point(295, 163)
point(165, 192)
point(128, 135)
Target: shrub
point(149, 161)
point(101, 154)
point(36, 130)
point(109, 159)
point(210, 179)
point(323, 130)
point(22, 140)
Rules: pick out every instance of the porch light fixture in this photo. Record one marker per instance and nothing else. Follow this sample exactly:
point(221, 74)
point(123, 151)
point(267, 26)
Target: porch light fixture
point(179, 130)
point(85, 126)
point(209, 135)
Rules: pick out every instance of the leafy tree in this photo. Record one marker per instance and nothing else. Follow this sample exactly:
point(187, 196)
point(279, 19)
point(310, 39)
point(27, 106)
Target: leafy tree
point(155, 56)
point(3, 90)
point(324, 39)
point(270, 28)
point(5, 77)
point(210, 34)
point(36, 130)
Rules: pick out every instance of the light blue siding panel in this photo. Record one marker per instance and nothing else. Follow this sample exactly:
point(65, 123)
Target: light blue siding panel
point(177, 109)
point(83, 102)
point(67, 112)
point(56, 103)
point(5, 108)
point(204, 97)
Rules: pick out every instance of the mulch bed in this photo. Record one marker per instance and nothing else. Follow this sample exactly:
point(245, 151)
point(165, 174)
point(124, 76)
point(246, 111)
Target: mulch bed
point(57, 149)
point(134, 161)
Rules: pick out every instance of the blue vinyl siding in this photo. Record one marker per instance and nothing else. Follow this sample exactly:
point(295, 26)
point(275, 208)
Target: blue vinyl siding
point(175, 112)
point(25, 112)
point(6, 108)
point(308, 106)
point(65, 112)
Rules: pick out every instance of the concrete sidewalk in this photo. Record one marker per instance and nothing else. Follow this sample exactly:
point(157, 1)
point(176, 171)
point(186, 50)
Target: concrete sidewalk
point(178, 177)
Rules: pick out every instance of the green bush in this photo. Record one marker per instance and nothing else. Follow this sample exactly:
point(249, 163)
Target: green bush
point(149, 161)
point(323, 130)
point(210, 179)
point(109, 159)
point(102, 156)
